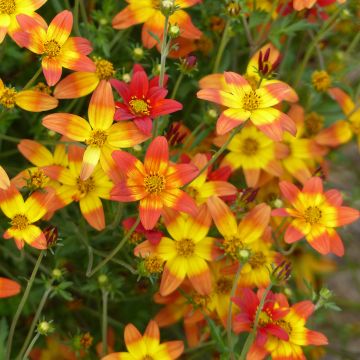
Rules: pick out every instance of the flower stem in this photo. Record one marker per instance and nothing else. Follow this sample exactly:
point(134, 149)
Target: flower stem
point(33, 79)
point(116, 250)
point(76, 18)
point(22, 304)
point(229, 317)
point(224, 40)
point(251, 337)
point(104, 321)
point(177, 84)
point(28, 350)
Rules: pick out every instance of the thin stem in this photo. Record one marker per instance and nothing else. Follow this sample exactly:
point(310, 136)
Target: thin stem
point(116, 261)
point(116, 250)
point(104, 321)
point(44, 142)
point(83, 11)
point(177, 85)
point(35, 320)
point(229, 317)
point(247, 32)
point(224, 40)
point(251, 337)
point(353, 44)
point(22, 304)
point(76, 18)
point(318, 52)
point(31, 346)
point(33, 79)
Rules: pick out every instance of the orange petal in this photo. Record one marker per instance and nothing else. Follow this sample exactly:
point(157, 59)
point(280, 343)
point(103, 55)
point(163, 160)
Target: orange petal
point(36, 153)
point(52, 70)
point(157, 156)
point(150, 209)
point(92, 209)
point(90, 160)
point(8, 288)
point(199, 276)
point(35, 101)
point(60, 27)
point(173, 275)
point(125, 134)
point(4, 179)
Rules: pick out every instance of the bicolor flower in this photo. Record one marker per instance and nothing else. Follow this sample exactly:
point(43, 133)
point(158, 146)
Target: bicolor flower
point(8, 288)
point(246, 103)
point(29, 100)
point(57, 49)
point(87, 192)
point(23, 215)
point(99, 134)
point(143, 100)
point(82, 83)
point(149, 13)
point(315, 215)
point(186, 253)
point(156, 183)
point(10, 9)
point(147, 346)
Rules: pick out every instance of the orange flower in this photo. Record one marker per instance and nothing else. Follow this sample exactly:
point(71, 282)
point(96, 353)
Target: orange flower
point(58, 50)
point(149, 13)
point(8, 288)
point(147, 346)
point(315, 215)
point(155, 183)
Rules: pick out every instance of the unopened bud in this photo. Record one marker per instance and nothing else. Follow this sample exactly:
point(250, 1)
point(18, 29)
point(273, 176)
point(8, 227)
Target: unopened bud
point(244, 254)
point(282, 272)
point(51, 236)
point(212, 113)
point(138, 53)
point(103, 281)
point(174, 31)
point(278, 203)
point(57, 274)
point(45, 328)
point(167, 7)
point(233, 8)
point(126, 77)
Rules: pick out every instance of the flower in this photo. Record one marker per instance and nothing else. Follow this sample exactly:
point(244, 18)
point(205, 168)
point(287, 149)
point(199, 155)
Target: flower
point(99, 134)
point(143, 100)
point(315, 215)
point(58, 50)
point(155, 183)
point(149, 13)
point(8, 288)
point(23, 215)
point(154, 236)
point(321, 80)
point(29, 100)
point(186, 254)
point(10, 9)
point(244, 102)
point(147, 346)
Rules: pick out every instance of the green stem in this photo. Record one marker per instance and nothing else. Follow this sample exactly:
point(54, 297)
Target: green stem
point(177, 84)
point(35, 320)
point(33, 79)
point(224, 40)
point(248, 33)
point(353, 44)
point(22, 304)
point(251, 337)
point(229, 317)
point(44, 142)
point(116, 250)
point(104, 321)
point(83, 11)
point(76, 18)
point(31, 346)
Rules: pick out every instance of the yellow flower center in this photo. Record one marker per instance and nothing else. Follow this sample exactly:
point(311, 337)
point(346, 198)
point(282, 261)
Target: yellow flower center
point(7, 97)
point(85, 186)
point(223, 286)
point(232, 245)
point(153, 264)
point(104, 69)
point(285, 325)
point(321, 80)
point(147, 357)
point(185, 247)
point(7, 7)
point(200, 300)
point(192, 192)
point(42, 88)
point(251, 101)
point(257, 259)
point(264, 318)
point(38, 179)
point(313, 123)
point(97, 138)
point(20, 222)
point(250, 147)
point(312, 215)
point(139, 106)
point(355, 127)
point(155, 183)
point(52, 48)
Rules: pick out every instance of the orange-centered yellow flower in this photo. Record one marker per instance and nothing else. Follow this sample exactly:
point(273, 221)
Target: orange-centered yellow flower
point(315, 215)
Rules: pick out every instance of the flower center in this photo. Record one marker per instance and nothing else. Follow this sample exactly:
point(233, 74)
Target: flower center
point(52, 48)
point(232, 245)
point(139, 106)
point(97, 138)
point(104, 69)
point(312, 215)
point(185, 247)
point(37, 179)
point(313, 123)
point(154, 184)
point(285, 325)
point(265, 318)
point(251, 101)
point(147, 357)
point(355, 126)
point(20, 222)
point(85, 186)
point(257, 259)
point(41, 87)
point(249, 146)
point(153, 264)
point(201, 300)
point(7, 97)
point(321, 80)
point(7, 7)
point(156, 3)
point(192, 192)
point(223, 285)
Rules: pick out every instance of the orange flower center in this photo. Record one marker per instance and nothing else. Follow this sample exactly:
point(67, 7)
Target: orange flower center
point(251, 101)
point(37, 179)
point(154, 184)
point(223, 285)
point(313, 123)
point(257, 259)
point(232, 245)
point(41, 87)
point(249, 147)
point(20, 222)
point(185, 247)
point(7, 97)
point(85, 186)
point(52, 48)
point(104, 69)
point(153, 264)
point(139, 106)
point(312, 215)
point(7, 7)
point(97, 138)
point(321, 80)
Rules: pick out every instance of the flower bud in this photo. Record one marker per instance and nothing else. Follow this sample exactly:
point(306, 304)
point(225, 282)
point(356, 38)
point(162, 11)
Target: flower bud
point(138, 53)
point(233, 8)
point(126, 78)
point(57, 274)
point(174, 31)
point(51, 236)
point(282, 272)
point(103, 281)
point(45, 328)
point(244, 254)
point(167, 7)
